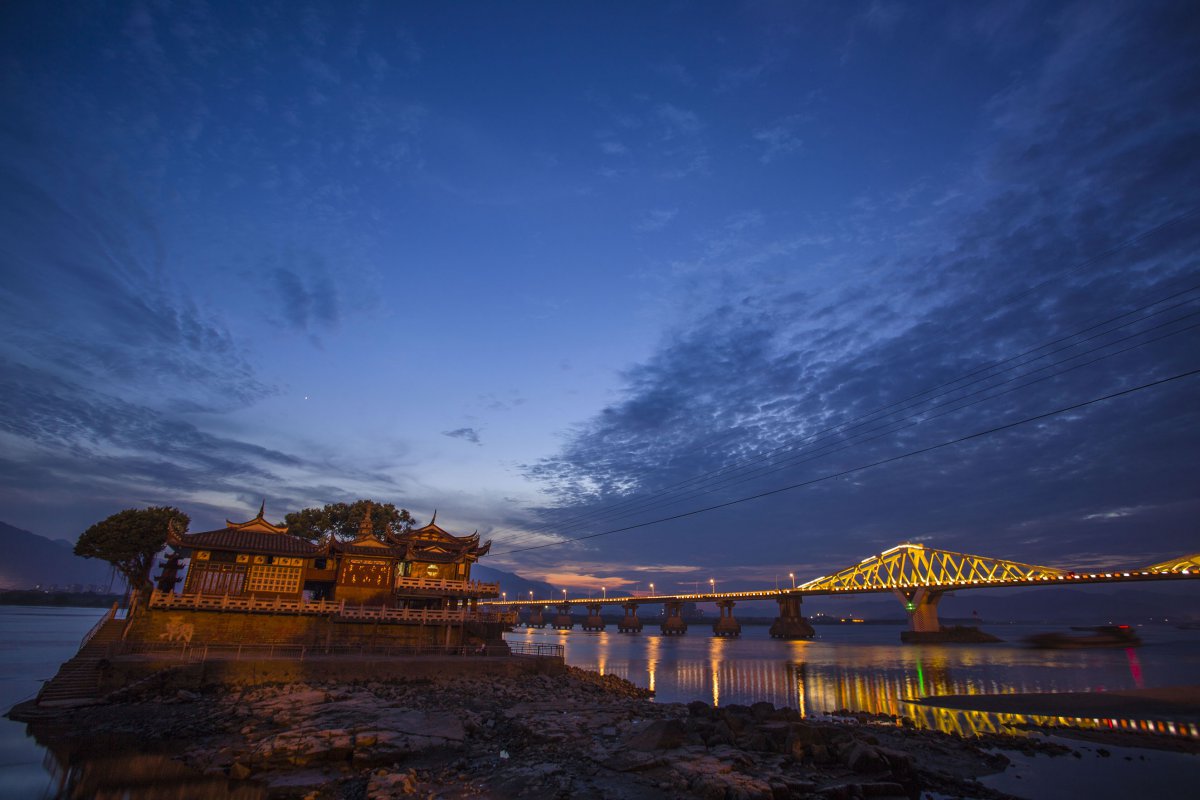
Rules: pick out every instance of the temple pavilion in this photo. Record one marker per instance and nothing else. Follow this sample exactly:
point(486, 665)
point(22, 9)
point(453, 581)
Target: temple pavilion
point(422, 569)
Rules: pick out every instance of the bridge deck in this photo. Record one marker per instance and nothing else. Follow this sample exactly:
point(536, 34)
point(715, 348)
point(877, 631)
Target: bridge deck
point(771, 594)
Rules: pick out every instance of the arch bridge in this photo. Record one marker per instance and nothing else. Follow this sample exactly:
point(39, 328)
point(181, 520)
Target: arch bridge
point(917, 575)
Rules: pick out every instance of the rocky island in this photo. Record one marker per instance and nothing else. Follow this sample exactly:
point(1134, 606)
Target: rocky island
point(569, 733)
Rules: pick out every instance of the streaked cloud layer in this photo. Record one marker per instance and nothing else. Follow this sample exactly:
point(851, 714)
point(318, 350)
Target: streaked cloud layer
point(547, 269)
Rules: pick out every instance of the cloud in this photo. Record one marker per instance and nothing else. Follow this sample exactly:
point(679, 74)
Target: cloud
point(745, 395)
point(467, 434)
point(656, 219)
point(309, 302)
point(778, 140)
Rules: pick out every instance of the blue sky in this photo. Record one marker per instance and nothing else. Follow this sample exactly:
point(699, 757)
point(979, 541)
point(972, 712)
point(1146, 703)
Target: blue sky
point(532, 264)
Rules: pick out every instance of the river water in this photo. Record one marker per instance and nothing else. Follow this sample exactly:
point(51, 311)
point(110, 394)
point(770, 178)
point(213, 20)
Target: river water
point(855, 667)
point(866, 668)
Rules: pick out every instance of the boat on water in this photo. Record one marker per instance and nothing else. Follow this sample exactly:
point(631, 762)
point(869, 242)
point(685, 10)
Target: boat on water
point(1096, 636)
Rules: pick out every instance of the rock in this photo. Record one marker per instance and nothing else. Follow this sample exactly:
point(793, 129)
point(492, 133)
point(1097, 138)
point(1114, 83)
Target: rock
point(762, 710)
point(699, 708)
point(721, 734)
point(239, 771)
point(660, 735)
point(861, 757)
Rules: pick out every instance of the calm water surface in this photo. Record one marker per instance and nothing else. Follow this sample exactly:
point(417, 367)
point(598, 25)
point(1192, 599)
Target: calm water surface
point(865, 667)
point(33, 642)
point(862, 667)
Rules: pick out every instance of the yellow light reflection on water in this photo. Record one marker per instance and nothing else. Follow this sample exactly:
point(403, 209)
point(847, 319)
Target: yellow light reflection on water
point(602, 652)
point(652, 645)
point(716, 650)
point(975, 723)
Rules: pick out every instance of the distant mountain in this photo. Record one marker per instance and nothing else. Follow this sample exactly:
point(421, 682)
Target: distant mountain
point(31, 560)
point(516, 586)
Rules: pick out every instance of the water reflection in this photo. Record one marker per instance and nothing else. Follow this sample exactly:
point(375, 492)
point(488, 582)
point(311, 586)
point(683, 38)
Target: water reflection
point(103, 769)
point(651, 660)
point(974, 723)
point(856, 670)
point(716, 650)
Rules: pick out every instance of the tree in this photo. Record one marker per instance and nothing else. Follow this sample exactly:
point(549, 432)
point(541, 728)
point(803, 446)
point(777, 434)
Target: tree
point(130, 539)
point(344, 520)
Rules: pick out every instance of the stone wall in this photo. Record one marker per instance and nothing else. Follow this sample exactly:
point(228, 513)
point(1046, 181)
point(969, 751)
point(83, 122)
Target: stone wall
point(165, 673)
point(160, 626)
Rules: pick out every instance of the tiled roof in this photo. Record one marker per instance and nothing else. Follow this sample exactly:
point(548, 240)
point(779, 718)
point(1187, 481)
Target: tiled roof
point(352, 549)
point(250, 541)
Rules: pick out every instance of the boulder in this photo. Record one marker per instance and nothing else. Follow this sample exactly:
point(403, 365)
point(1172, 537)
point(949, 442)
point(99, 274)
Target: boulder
point(665, 734)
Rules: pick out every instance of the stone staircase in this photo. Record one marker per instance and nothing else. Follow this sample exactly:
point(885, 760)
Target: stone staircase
point(78, 679)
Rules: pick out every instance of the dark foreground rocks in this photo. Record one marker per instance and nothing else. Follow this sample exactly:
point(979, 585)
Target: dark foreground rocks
point(579, 735)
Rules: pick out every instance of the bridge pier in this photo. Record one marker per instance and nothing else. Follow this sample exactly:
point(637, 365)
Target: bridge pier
point(536, 619)
point(673, 624)
point(630, 622)
point(563, 620)
point(726, 625)
point(921, 607)
point(924, 626)
point(790, 624)
point(594, 621)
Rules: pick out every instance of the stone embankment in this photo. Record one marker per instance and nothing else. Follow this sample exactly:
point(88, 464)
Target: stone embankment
point(536, 736)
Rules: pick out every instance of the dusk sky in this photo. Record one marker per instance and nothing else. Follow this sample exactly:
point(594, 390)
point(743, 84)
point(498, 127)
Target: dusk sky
point(558, 269)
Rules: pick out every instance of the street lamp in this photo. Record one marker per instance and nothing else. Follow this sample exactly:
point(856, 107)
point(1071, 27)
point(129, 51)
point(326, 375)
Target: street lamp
point(792, 575)
point(652, 590)
point(531, 595)
point(504, 596)
point(604, 592)
point(713, 583)
point(564, 595)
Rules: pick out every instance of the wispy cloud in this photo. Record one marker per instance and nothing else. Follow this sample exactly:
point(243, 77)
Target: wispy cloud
point(310, 301)
point(655, 219)
point(466, 434)
point(1070, 172)
point(778, 140)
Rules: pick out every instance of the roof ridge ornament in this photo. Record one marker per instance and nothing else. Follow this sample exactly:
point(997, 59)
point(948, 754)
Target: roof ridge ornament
point(365, 526)
point(262, 509)
point(433, 521)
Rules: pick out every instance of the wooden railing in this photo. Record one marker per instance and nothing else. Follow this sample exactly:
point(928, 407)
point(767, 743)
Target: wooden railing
point(443, 585)
point(277, 605)
point(237, 652)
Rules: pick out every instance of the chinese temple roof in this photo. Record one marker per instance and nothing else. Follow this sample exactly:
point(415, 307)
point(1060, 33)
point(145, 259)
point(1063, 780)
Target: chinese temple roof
point(430, 543)
point(368, 545)
point(254, 536)
point(433, 543)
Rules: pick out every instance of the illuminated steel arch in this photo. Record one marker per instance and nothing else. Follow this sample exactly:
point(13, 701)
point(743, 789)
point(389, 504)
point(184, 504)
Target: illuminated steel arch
point(914, 565)
point(1183, 564)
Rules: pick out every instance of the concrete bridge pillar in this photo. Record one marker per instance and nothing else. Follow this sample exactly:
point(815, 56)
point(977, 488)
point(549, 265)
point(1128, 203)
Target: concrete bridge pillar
point(921, 607)
point(630, 622)
point(673, 624)
point(924, 626)
point(726, 625)
point(562, 620)
point(594, 621)
point(536, 619)
point(790, 624)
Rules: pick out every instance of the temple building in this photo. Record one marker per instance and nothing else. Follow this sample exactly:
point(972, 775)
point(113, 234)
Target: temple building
point(423, 568)
point(420, 577)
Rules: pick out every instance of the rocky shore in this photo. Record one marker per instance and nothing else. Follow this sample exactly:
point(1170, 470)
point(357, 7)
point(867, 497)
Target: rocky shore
point(578, 734)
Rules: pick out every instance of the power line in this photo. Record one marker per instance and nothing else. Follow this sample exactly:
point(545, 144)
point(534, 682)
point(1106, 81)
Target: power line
point(862, 467)
point(606, 511)
point(735, 473)
point(890, 408)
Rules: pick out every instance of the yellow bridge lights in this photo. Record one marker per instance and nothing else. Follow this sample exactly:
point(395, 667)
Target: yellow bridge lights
point(915, 565)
